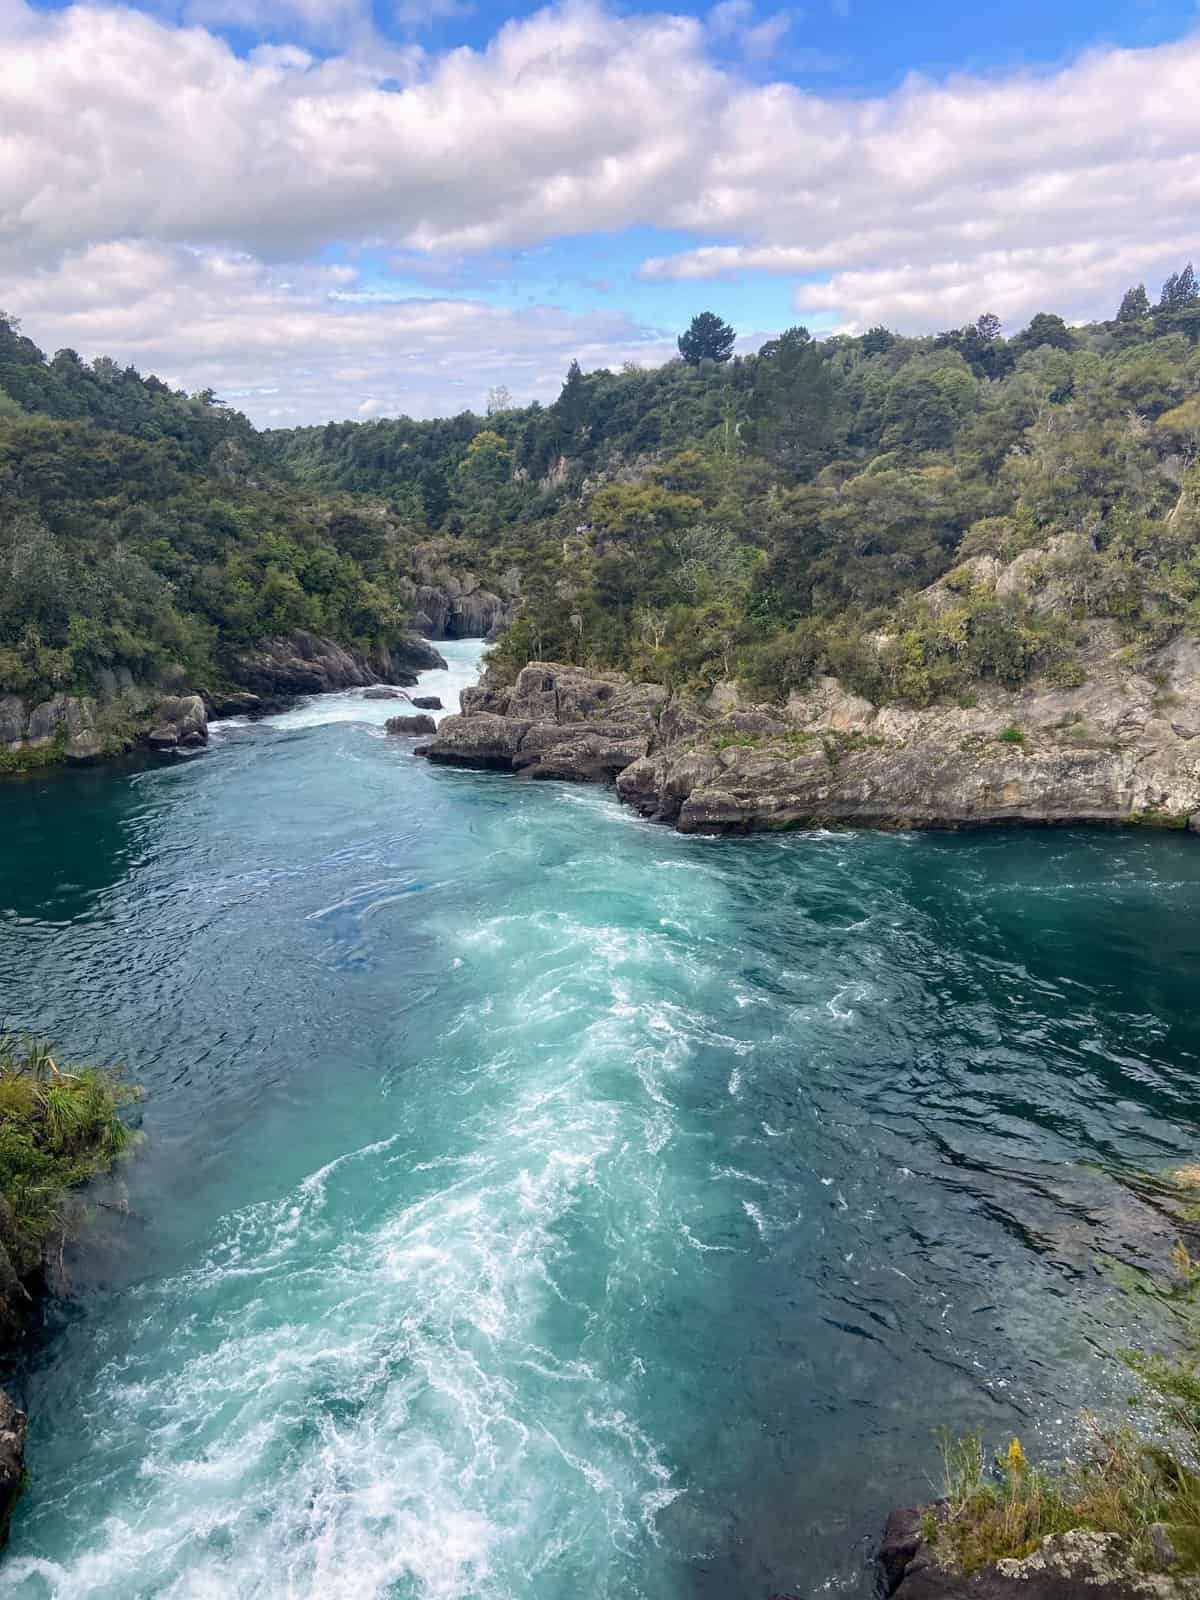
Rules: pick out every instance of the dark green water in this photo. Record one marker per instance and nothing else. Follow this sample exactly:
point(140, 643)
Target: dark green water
point(538, 1203)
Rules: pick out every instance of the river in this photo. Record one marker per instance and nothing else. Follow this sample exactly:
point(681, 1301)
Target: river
point(536, 1202)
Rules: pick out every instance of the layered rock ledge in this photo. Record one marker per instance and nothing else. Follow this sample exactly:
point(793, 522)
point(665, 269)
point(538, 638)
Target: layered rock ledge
point(1123, 747)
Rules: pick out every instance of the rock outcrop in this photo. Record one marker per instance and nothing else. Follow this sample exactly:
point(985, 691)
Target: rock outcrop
point(87, 728)
point(460, 608)
point(411, 725)
point(303, 663)
point(1124, 746)
point(426, 702)
point(1080, 1565)
point(182, 724)
point(555, 722)
point(12, 1461)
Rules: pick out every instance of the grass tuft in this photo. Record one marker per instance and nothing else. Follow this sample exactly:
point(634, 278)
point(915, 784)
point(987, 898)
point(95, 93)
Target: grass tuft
point(58, 1127)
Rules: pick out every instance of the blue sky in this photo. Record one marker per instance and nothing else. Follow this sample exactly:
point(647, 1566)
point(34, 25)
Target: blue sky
point(351, 207)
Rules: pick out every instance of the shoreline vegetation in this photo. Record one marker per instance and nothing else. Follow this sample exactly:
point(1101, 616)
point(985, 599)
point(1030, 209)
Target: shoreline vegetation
point(1125, 1513)
point(939, 526)
point(60, 1126)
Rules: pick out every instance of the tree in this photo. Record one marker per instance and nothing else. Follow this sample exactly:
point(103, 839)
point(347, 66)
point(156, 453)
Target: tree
point(988, 327)
point(1046, 328)
point(499, 399)
point(877, 340)
point(1180, 292)
point(1135, 304)
point(708, 339)
point(793, 405)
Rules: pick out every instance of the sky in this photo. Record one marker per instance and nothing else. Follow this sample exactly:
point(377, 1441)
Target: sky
point(362, 208)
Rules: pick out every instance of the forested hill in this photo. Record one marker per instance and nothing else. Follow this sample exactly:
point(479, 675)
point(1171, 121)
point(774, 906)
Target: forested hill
point(761, 517)
point(146, 535)
point(771, 515)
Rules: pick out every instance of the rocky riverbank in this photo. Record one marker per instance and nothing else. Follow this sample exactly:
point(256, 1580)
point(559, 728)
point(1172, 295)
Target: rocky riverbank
point(1078, 1565)
point(121, 714)
point(1123, 746)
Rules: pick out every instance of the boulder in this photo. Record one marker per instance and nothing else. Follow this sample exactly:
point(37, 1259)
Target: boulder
point(381, 692)
point(478, 740)
point(411, 725)
point(181, 723)
point(12, 1461)
point(427, 702)
point(234, 703)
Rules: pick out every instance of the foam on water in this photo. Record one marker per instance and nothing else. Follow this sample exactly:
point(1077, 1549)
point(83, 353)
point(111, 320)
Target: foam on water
point(537, 1203)
point(462, 658)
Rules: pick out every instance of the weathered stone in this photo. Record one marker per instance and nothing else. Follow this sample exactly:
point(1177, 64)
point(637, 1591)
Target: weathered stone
point(457, 608)
point(380, 692)
point(476, 699)
point(478, 740)
point(182, 724)
point(12, 1461)
point(13, 716)
point(411, 725)
point(427, 702)
point(303, 663)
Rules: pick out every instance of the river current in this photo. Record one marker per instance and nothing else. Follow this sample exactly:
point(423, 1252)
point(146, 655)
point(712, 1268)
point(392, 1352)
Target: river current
point(537, 1203)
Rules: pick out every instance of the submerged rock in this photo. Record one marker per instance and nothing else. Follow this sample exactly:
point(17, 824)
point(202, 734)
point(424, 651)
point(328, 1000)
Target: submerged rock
point(382, 692)
point(411, 725)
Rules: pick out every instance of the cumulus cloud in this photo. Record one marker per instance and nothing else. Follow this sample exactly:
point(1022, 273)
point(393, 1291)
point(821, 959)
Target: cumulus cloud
point(970, 193)
point(150, 176)
point(299, 345)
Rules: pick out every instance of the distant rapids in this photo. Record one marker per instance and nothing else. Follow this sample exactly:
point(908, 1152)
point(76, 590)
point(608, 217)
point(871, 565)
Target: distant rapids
point(538, 1203)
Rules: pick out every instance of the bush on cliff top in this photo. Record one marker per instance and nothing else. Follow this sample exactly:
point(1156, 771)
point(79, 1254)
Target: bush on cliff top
point(58, 1127)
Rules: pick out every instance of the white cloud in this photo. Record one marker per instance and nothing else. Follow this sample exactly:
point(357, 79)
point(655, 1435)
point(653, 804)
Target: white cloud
point(149, 176)
point(291, 348)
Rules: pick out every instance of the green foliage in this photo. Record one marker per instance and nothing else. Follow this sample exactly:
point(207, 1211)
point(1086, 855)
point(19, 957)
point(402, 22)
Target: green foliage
point(58, 1127)
point(769, 516)
point(707, 339)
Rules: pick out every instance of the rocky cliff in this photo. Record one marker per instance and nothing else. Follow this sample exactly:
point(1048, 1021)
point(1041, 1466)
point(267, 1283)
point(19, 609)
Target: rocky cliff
point(1122, 747)
point(87, 728)
point(460, 608)
point(303, 663)
point(122, 714)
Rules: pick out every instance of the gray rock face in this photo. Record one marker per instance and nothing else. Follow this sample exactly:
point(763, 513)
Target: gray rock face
point(458, 608)
point(477, 740)
point(556, 721)
point(1119, 748)
point(12, 1461)
point(303, 663)
point(182, 724)
point(408, 725)
point(427, 702)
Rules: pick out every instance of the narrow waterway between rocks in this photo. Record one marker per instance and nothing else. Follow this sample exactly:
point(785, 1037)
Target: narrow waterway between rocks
point(538, 1203)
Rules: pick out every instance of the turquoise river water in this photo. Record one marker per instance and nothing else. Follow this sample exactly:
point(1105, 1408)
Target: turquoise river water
point(537, 1203)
